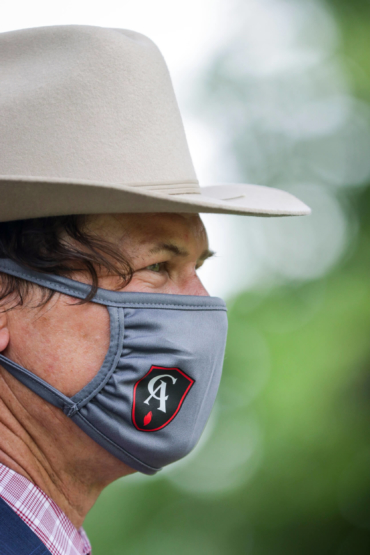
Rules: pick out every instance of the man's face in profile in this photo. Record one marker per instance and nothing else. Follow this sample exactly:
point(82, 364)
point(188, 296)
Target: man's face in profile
point(64, 343)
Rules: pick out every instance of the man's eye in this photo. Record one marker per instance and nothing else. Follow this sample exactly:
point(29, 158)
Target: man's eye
point(154, 267)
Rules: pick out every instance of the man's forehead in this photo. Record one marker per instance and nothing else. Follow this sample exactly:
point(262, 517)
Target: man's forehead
point(152, 228)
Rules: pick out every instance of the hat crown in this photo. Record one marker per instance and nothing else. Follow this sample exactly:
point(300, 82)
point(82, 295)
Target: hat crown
point(90, 104)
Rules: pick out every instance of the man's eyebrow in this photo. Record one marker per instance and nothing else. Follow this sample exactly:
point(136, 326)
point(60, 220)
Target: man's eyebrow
point(178, 251)
point(169, 247)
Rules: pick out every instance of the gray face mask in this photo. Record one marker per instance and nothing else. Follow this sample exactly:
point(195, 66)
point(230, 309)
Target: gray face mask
point(152, 397)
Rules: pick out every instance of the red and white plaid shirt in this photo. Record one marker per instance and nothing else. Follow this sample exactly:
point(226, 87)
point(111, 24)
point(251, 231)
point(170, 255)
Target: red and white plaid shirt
point(42, 515)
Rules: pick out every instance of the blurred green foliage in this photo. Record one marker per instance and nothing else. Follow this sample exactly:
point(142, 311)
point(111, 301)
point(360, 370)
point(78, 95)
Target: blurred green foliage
point(353, 20)
point(297, 371)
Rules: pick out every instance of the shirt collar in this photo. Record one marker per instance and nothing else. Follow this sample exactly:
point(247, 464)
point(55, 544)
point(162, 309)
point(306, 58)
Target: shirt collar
point(42, 515)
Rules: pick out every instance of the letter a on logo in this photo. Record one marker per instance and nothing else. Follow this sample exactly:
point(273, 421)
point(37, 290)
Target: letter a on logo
point(158, 397)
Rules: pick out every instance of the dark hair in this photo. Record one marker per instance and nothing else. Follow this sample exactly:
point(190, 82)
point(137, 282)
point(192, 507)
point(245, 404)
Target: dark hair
point(44, 245)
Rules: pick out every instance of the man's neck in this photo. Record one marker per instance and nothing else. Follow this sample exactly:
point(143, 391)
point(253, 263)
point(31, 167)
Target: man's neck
point(51, 451)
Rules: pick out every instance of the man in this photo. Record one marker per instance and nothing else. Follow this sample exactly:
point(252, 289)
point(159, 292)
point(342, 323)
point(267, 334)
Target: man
point(111, 349)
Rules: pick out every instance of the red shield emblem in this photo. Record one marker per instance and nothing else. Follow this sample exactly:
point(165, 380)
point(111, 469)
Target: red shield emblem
point(158, 397)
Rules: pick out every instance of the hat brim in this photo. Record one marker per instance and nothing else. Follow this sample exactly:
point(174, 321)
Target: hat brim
point(24, 198)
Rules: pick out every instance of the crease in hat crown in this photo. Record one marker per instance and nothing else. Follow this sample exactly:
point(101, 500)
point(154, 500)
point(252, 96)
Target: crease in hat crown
point(89, 123)
point(89, 103)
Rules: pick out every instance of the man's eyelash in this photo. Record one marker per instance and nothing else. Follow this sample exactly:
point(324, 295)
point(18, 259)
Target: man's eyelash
point(160, 264)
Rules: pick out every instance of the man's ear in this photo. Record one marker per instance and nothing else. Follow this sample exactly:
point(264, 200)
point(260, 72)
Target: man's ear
point(4, 331)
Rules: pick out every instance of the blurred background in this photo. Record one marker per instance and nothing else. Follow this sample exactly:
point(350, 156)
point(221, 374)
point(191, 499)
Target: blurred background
point(273, 92)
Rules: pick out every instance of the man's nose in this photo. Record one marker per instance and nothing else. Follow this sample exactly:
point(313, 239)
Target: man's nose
point(193, 286)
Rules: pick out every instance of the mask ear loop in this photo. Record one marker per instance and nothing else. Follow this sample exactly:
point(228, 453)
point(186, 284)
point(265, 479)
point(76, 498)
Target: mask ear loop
point(117, 332)
point(71, 405)
point(39, 386)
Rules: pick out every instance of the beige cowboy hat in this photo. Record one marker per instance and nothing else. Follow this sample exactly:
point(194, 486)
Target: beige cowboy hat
point(89, 123)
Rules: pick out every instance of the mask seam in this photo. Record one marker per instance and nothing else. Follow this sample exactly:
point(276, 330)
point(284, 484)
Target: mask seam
point(200, 408)
point(154, 305)
point(79, 415)
point(204, 400)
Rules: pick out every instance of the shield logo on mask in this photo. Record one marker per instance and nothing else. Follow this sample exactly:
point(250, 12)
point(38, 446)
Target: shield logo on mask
point(158, 397)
